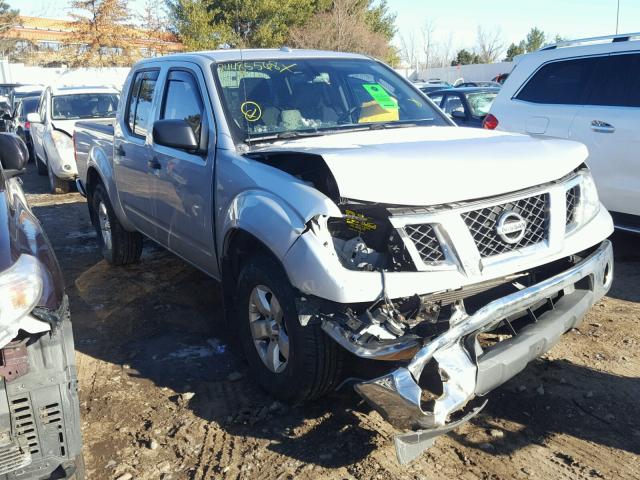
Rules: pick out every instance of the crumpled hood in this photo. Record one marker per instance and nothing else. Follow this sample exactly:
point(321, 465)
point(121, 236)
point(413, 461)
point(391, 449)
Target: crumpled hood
point(435, 165)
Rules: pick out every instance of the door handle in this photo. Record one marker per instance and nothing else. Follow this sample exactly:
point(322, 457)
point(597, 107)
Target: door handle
point(120, 151)
point(602, 127)
point(154, 164)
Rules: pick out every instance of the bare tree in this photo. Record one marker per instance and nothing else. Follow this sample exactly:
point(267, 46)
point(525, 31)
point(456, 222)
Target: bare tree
point(343, 28)
point(409, 49)
point(445, 51)
point(154, 20)
point(490, 44)
point(428, 46)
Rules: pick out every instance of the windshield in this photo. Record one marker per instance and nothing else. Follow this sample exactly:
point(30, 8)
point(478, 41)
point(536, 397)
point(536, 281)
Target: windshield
point(274, 98)
point(480, 103)
point(19, 95)
point(84, 105)
point(29, 106)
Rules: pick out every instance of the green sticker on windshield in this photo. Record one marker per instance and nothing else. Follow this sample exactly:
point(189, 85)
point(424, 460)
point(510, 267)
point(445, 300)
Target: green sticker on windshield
point(381, 96)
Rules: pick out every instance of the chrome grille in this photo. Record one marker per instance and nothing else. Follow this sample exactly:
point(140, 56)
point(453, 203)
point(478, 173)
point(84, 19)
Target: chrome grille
point(482, 224)
point(424, 238)
point(573, 195)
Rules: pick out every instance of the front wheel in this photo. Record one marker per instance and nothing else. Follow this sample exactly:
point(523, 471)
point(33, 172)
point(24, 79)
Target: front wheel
point(118, 246)
point(291, 362)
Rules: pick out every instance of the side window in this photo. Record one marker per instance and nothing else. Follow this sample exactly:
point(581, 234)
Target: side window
point(437, 99)
point(182, 100)
point(560, 83)
point(616, 82)
point(140, 100)
point(453, 103)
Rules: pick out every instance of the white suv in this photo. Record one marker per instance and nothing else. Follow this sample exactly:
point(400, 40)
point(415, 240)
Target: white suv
point(52, 127)
point(585, 90)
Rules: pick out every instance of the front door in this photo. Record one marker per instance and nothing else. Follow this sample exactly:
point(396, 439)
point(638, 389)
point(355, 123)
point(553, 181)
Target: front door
point(132, 152)
point(37, 129)
point(609, 125)
point(183, 181)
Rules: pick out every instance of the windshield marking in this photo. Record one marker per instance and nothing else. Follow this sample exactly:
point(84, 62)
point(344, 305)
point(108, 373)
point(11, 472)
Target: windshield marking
point(251, 111)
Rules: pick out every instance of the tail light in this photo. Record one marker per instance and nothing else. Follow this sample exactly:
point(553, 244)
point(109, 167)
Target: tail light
point(490, 122)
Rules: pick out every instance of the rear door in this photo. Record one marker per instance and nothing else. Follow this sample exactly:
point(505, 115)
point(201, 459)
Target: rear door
point(551, 98)
point(609, 125)
point(183, 181)
point(132, 151)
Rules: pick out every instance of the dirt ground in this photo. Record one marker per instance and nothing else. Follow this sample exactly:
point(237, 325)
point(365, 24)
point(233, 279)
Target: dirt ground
point(165, 395)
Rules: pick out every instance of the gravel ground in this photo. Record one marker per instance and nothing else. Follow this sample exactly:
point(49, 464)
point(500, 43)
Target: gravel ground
point(165, 395)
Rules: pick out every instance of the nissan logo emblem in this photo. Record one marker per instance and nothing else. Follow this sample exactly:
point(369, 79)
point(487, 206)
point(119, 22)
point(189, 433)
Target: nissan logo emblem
point(511, 227)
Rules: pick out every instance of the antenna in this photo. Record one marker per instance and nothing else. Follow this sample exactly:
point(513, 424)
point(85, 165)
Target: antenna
point(618, 17)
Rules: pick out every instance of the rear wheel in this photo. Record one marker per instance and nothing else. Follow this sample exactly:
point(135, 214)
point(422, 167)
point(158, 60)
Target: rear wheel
point(293, 363)
point(118, 246)
point(56, 184)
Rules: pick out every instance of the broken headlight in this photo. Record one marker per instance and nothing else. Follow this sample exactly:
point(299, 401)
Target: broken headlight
point(365, 240)
point(21, 289)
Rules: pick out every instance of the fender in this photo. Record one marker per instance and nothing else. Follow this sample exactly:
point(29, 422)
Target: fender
point(100, 162)
point(269, 218)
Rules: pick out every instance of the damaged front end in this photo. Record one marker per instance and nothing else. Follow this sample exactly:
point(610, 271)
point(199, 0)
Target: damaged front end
point(471, 352)
point(503, 299)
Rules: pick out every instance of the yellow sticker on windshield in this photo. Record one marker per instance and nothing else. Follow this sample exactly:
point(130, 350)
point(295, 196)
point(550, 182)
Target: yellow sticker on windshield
point(251, 111)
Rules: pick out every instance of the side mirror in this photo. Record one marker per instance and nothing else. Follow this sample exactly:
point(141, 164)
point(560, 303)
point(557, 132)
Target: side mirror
point(459, 114)
point(13, 154)
point(34, 117)
point(175, 134)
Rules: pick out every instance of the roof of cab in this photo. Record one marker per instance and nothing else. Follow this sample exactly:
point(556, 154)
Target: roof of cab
point(231, 55)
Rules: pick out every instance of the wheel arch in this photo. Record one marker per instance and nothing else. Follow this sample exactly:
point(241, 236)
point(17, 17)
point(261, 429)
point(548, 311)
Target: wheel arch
point(239, 245)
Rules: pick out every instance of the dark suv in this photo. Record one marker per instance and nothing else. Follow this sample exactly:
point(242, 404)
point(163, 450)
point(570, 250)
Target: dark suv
point(39, 410)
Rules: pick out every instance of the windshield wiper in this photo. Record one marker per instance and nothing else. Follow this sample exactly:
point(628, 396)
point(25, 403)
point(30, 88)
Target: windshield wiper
point(396, 124)
point(284, 136)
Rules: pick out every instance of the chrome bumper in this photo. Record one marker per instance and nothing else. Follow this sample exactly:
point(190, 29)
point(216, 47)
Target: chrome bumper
point(465, 374)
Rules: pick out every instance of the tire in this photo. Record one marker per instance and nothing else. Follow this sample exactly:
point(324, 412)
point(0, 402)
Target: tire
point(313, 361)
point(57, 185)
point(42, 168)
point(118, 246)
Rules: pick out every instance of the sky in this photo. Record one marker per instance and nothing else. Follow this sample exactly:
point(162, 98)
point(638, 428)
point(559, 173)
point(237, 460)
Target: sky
point(460, 18)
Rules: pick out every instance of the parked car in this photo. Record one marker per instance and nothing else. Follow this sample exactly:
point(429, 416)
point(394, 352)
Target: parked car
point(468, 106)
point(52, 127)
point(5, 113)
point(19, 123)
point(344, 214)
point(478, 84)
point(24, 91)
point(501, 78)
point(432, 87)
point(40, 411)
point(589, 91)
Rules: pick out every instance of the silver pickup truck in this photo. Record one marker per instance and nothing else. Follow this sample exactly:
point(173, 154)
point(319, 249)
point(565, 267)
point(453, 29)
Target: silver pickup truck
point(345, 215)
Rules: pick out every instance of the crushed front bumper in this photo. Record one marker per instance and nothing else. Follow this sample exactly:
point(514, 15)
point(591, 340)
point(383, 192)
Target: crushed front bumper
point(467, 373)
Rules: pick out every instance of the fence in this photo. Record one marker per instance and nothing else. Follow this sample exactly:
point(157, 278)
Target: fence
point(20, 73)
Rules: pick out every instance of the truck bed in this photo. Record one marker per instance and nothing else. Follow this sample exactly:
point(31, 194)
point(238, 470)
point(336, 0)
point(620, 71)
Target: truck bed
point(92, 139)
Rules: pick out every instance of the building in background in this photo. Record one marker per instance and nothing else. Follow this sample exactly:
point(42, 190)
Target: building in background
point(49, 42)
